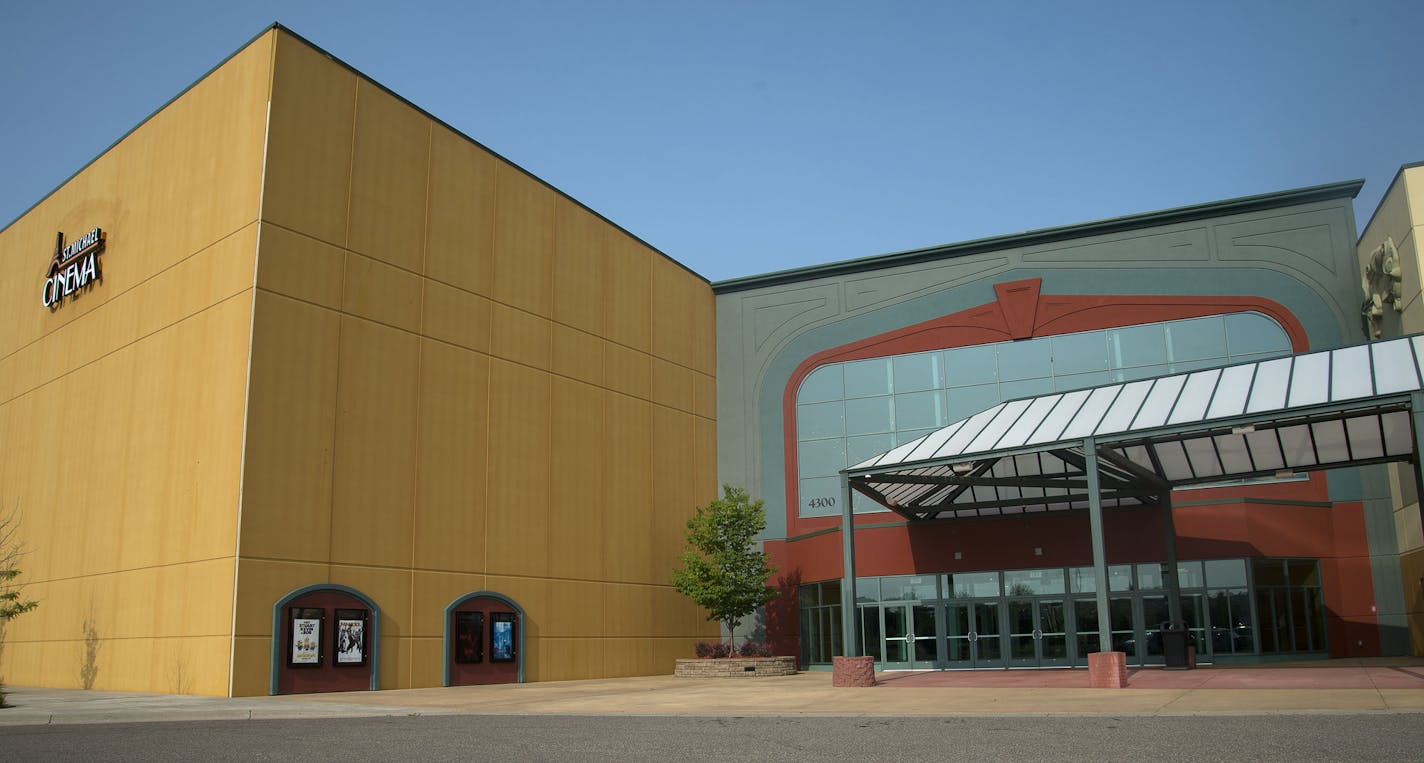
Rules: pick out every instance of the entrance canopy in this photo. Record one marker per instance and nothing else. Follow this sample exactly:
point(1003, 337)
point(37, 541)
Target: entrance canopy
point(1269, 418)
point(1129, 444)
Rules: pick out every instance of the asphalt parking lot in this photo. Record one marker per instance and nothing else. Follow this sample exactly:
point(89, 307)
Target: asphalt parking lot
point(1379, 736)
point(1334, 710)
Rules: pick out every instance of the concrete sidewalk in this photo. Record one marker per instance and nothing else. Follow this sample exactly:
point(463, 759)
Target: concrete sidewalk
point(35, 706)
point(805, 694)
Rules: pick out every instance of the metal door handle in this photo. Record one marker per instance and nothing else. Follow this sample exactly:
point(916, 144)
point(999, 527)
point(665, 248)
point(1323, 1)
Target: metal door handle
point(973, 636)
point(1037, 634)
point(909, 637)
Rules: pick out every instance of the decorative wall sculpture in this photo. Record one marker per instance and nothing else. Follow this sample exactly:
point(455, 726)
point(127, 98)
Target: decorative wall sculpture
point(1381, 284)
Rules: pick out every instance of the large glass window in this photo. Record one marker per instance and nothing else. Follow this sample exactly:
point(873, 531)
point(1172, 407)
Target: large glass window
point(1290, 610)
point(972, 585)
point(1033, 582)
point(820, 606)
point(1233, 608)
point(849, 412)
point(1085, 580)
point(909, 588)
point(1231, 631)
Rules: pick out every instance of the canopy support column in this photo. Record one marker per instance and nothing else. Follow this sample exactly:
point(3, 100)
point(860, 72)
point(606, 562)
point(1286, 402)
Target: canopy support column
point(848, 645)
point(1095, 525)
point(1174, 588)
point(1416, 413)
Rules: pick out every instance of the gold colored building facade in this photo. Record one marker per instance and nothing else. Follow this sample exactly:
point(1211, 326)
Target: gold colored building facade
point(337, 343)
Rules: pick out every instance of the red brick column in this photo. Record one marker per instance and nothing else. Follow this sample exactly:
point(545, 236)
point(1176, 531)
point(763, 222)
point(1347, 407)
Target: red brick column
point(852, 671)
point(1107, 670)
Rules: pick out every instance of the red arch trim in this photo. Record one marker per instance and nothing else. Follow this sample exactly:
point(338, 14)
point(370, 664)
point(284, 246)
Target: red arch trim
point(1020, 312)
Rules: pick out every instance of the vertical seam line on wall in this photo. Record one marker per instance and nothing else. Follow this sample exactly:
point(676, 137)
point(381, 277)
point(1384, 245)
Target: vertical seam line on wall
point(549, 520)
point(351, 173)
point(419, 376)
point(247, 382)
point(340, 319)
point(489, 386)
point(647, 403)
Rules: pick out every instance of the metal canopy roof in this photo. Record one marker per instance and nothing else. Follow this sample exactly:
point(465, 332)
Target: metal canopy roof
point(1300, 413)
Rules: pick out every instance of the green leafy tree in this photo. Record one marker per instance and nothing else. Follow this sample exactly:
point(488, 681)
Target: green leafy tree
point(11, 603)
point(720, 569)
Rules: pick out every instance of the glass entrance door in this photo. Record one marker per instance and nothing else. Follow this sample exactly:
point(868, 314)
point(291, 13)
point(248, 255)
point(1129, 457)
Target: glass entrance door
point(924, 651)
point(1154, 613)
point(897, 627)
point(973, 638)
point(958, 635)
point(911, 637)
point(988, 636)
point(1038, 634)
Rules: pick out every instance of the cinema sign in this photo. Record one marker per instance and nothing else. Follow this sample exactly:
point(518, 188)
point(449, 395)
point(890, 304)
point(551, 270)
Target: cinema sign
point(74, 267)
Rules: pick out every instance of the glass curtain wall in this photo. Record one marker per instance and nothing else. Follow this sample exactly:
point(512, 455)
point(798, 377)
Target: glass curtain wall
point(1038, 618)
point(848, 412)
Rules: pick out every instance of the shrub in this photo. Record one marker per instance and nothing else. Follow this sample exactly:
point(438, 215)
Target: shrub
point(713, 650)
point(754, 649)
point(717, 650)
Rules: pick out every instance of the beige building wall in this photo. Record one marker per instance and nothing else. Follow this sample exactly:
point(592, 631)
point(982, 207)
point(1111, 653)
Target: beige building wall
point(1400, 219)
point(121, 413)
point(462, 380)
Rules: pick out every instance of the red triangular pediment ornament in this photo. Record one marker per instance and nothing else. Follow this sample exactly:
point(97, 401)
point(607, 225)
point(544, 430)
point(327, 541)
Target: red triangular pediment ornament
point(1019, 302)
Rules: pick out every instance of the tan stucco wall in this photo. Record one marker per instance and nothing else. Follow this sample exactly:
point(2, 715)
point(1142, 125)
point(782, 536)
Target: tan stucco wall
point(462, 380)
point(1400, 217)
point(1411, 564)
point(121, 413)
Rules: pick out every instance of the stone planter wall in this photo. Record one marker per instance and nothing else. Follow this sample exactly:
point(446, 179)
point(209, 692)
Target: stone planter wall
point(736, 667)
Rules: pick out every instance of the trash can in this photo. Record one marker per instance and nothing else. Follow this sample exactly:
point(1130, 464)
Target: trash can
point(1174, 646)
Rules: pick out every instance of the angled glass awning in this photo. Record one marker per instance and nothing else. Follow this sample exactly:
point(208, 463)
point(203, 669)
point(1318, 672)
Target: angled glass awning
point(1320, 410)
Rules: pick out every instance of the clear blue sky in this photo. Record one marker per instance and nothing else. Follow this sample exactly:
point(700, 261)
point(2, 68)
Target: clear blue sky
point(745, 137)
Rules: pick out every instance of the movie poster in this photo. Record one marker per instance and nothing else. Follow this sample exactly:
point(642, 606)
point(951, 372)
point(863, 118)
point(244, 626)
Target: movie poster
point(350, 636)
point(501, 637)
point(469, 637)
point(306, 640)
